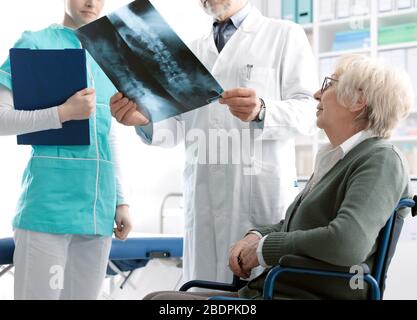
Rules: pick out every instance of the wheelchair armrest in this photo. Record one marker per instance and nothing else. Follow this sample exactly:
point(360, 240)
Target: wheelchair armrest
point(233, 287)
point(303, 265)
point(293, 261)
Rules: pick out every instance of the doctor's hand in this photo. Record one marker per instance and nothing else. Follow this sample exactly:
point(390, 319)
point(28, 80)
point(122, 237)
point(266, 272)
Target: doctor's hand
point(78, 107)
point(243, 103)
point(241, 259)
point(123, 222)
point(126, 111)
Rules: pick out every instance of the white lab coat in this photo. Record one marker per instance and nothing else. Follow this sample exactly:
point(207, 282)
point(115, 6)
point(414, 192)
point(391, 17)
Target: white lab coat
point(223, 201)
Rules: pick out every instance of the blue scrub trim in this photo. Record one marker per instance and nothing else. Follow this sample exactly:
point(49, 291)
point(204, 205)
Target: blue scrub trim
point(6, 79)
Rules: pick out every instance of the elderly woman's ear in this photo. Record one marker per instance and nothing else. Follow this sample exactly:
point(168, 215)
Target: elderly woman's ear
point(360, 105)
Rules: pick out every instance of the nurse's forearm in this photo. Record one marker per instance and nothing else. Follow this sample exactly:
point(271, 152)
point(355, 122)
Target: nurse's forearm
point(13, 122)
point(121, 187)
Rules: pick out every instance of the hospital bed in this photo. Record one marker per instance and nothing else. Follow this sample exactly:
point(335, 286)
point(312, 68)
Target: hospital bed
point(125, 256)
point(138, 250)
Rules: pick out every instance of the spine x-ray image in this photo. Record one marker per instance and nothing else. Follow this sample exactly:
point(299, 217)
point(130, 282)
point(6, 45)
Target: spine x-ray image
point(147, 61)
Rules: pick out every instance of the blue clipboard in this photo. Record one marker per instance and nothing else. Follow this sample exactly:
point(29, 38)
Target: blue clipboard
point(46, 78)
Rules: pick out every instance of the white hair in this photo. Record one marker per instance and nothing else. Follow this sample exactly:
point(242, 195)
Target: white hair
point(386, 90)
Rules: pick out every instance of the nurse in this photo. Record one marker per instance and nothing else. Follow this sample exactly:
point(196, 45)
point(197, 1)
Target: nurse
point(71, 195)
point(268, 71)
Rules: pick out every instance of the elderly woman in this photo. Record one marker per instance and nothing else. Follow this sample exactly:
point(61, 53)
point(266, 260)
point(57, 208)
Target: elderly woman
point(358, 179)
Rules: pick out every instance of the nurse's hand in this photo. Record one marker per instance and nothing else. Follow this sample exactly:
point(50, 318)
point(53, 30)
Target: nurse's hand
point(243, 103)
point(123, 222)
point(78, 107)
point(126, 111)
point(237, 251)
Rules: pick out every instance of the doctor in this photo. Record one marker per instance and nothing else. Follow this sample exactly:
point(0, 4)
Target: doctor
point(268, 71)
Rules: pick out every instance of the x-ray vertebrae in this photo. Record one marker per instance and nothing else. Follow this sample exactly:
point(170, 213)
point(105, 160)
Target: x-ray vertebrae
point(148, 62)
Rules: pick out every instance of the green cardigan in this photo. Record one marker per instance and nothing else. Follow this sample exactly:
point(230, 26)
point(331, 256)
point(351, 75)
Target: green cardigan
point(338, 222)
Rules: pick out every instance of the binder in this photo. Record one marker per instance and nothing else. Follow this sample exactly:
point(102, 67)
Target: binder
point(348, 40)
point(361, 7)
point(289, 10)
point(47, 78)
point(397, 33)
point(385, 5)
point(305, 11)
point(404, 4)
point(327, 10)
point(343, 8)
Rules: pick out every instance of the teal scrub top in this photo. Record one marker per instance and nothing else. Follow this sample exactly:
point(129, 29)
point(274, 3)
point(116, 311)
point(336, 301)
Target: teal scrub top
point(69, 189)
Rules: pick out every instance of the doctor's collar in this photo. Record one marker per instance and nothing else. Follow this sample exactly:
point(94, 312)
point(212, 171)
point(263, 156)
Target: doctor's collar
point(249, 24)
point(238, 18)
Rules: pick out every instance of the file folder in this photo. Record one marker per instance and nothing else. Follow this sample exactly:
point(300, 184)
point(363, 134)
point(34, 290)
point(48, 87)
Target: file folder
point(327, 9)
point(404, 4)
point(305, 11)
point(47, 78)
point(397, 33)
point(385, 5)
point(343, 8)
point(289, 10)
point(361, 7)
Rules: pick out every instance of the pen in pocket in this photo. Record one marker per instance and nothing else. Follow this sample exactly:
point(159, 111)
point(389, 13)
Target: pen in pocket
point(249, 68)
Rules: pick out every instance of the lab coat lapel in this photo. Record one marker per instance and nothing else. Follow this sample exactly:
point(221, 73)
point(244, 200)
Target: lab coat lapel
point(248, 28)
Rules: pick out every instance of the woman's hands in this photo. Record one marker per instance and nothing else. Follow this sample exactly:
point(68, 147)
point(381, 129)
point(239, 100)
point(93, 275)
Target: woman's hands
point(123, 222)
point(243, 257)
point(78, 107)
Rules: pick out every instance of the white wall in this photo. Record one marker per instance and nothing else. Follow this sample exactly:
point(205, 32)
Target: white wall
point(152, 172)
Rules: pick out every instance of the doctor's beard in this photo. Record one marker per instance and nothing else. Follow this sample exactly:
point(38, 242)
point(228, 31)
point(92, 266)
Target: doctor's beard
point(216, 8)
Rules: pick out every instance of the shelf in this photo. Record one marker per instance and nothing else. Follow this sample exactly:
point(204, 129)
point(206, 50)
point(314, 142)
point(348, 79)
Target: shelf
point(344, 21)
point(397, 13)
point(394, 46)
point(324, 33)
point(339, 53)
point(398, 17)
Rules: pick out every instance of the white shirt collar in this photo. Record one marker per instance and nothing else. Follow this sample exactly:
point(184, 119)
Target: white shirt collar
point(355, 140)
point(241, 15)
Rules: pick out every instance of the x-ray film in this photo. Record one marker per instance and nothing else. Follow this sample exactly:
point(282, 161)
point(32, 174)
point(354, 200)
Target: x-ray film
point(147, 61)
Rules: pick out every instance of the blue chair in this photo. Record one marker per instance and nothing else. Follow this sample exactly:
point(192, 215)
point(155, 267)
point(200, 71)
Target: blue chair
point(389, 236)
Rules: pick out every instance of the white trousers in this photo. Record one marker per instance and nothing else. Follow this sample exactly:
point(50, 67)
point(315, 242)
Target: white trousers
point(51, 267)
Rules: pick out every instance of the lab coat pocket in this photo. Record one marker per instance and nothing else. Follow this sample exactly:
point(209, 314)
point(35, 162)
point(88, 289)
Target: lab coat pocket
point(268, 197)
point(259, 78)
